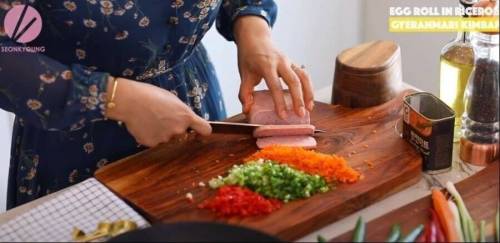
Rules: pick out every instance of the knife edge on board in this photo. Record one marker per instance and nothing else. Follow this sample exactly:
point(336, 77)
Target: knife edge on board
point(239, 128)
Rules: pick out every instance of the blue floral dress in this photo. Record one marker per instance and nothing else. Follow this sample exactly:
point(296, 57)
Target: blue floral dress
point(60, 135)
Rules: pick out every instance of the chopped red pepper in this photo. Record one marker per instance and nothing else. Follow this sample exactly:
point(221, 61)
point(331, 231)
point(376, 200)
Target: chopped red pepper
point(239, 201)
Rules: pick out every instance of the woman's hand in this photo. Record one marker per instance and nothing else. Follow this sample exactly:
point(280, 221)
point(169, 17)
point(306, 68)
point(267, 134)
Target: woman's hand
point(258, 58)
point(152, 115)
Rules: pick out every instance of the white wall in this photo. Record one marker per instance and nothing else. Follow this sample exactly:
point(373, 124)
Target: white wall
point(311, 33)
point(420, 51)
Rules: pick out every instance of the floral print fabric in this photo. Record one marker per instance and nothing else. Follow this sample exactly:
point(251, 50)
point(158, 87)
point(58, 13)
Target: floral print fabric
point(60, 134)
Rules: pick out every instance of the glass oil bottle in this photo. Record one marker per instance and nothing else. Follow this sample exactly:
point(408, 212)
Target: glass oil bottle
point(456, 64)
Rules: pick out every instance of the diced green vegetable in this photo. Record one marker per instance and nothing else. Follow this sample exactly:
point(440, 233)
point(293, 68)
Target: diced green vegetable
point(482, 236)
point(468, 226)
point(412, 236)
point(456, 219)
point(273, 180)
point(321, 239)
point(359, 231)
point(395, 233)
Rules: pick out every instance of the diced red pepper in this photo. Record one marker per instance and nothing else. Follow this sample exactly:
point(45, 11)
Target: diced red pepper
point(239, 201)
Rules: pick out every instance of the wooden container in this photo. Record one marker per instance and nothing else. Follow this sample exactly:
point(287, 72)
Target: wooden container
point(368, 74)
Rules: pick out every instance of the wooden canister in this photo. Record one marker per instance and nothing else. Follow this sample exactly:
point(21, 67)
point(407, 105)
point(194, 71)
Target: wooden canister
point(368, 74)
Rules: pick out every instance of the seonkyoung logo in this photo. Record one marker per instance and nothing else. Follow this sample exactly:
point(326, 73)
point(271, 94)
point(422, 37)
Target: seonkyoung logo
point(23, 23)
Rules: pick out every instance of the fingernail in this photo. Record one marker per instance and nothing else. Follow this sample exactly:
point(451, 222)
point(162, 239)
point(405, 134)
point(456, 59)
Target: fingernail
point(283, 115)
point(302, 111)
point(310, 105)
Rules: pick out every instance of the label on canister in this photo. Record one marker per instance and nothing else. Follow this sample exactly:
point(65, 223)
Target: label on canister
point(428, 124)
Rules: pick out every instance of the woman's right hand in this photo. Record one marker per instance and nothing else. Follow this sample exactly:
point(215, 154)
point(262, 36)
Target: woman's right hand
point(151, 114)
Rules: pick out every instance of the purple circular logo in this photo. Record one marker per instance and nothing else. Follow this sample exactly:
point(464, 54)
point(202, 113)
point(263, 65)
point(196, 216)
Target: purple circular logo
point(23, 23)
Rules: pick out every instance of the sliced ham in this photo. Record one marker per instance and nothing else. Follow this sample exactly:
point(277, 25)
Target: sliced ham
point(263, 112)
point(294, 131)
point(283, 130)
point(307, 142)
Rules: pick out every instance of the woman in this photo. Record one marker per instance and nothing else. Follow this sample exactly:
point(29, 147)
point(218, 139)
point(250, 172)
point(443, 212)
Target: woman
point(140, 63)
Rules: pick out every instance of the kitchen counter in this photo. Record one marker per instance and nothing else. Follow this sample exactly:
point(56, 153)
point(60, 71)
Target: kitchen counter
point(459, 172)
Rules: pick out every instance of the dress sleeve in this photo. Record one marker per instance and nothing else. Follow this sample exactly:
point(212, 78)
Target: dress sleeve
point(232, 9)
point(46, 93)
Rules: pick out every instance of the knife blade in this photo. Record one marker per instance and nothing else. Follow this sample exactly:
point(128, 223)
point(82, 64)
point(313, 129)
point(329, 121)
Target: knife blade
point(239, 128)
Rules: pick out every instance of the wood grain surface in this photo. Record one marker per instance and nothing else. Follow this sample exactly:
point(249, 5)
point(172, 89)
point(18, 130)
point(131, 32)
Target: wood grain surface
point(155, 181)
point(368, 74)
point(480, 193)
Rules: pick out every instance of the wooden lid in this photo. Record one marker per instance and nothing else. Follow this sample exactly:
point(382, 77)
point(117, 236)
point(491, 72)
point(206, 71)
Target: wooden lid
point(370, 57)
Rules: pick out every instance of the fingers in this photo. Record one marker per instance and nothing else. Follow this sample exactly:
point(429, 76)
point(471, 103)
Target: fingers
point(307, 88)
point(200, 125)
point(295, 87)
point(274, 85)
point(248, 83)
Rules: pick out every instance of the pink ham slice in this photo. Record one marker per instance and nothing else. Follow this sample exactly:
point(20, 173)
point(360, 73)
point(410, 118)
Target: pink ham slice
point(307, 142)
point(283, 130)
point(263, 112)
point(292, 132)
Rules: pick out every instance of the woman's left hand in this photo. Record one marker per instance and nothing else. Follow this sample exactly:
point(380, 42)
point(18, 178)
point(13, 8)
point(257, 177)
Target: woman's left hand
point(258, 58)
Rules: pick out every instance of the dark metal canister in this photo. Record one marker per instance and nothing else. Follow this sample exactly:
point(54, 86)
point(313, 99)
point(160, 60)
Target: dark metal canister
point(428, 124)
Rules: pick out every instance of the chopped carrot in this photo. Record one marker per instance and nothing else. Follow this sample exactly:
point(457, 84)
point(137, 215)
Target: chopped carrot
point(445, 215)
point(331, 167)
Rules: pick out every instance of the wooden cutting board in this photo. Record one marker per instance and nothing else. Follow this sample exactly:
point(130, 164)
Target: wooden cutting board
point(479, 192)
point(155, 181)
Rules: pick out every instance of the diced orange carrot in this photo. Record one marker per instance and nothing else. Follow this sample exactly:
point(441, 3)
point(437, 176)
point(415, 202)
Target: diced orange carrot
point(329, 166)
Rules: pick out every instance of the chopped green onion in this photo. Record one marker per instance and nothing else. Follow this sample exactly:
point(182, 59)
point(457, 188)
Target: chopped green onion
point(395, 233)
point(321, 239)
point(482, 236)
point(359, 231)
point(468, 226)
point(273, 180)
point(456, 219)
point(412, 236)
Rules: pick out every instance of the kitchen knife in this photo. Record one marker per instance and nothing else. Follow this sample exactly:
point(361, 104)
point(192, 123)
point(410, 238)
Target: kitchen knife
point(239, 128)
